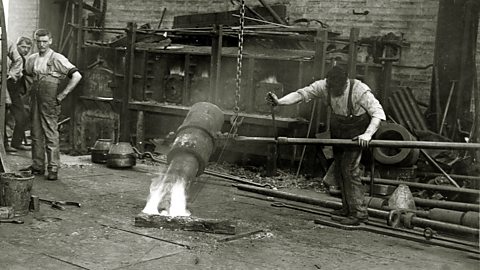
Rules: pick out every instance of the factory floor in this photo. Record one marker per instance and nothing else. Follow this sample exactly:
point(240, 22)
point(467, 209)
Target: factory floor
point(101, 234)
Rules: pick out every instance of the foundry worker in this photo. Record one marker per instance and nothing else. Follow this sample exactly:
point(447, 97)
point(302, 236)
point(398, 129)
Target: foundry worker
point(16, 88)
point(356, 115)
point(45, 70)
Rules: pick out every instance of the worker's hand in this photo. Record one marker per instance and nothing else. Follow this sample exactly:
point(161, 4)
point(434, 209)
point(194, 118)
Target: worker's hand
point(271, 99)
point(363, 140)
point(60, 97)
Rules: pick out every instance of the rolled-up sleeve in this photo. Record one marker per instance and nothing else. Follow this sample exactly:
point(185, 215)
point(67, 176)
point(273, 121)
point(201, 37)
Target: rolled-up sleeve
point(62, 65)
point(315, 90)
point(372, 105)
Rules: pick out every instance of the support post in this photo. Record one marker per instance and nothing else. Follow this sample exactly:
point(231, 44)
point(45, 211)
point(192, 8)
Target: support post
point(128, 83)
point(186, 80)
point(352, 53)
point(215, 63)
point(3, 91)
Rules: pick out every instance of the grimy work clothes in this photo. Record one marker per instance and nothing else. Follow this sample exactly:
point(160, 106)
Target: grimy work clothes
point(351, 115)
point(15, 63)
point(47, 72)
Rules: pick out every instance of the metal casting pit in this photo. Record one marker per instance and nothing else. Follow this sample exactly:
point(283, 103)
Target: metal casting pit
point(218, 226)
point(187, 158)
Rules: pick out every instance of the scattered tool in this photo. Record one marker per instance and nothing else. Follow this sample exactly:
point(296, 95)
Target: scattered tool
point(14, 221)
point(59, 204)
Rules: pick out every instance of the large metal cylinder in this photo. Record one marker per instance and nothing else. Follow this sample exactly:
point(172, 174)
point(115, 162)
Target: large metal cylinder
point(397, 156)
point(196, 135)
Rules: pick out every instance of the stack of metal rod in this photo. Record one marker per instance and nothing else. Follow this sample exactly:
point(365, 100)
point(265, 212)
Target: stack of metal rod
point(405, 110)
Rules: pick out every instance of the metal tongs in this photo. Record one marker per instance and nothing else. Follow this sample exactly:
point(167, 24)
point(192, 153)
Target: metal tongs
point(60, 204)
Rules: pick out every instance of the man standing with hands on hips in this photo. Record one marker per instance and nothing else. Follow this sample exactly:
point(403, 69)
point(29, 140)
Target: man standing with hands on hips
point(356, 115)
point(45, 70)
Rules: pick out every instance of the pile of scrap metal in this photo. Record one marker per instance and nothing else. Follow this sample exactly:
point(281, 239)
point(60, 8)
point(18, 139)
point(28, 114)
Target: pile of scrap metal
point(440, 202)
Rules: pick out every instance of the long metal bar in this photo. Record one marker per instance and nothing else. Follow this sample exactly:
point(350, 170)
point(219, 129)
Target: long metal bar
point(272, 12)
point(415, 221)
point(373, 143)
point(456, 176)
point(411, 99)
point(423, 186)
point(458, 206)
point(434, 163)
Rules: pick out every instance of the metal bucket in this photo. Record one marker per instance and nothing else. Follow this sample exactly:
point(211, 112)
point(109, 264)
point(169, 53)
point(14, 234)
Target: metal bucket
point(100, 150)
point(15, 191)
point(121, 155)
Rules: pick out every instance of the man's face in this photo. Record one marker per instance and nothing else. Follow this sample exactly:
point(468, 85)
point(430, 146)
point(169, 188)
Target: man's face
point(43, 43)
point(335, 87)
point(23, 48)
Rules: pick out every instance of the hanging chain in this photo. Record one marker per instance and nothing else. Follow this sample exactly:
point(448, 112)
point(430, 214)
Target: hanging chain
point(236, 108)
point(235, 121)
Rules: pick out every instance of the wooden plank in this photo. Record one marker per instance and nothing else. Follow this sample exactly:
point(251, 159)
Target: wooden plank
point(218, 226)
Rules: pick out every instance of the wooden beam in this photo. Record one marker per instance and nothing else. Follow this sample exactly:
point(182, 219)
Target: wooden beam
point(215, 63)
point(352, 53)
point(218, 226)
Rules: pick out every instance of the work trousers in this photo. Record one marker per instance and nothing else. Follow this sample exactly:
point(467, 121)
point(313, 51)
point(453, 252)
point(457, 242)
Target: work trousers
point(17, 108)
point(348, 168)
point(347, 159)
point(45, 111)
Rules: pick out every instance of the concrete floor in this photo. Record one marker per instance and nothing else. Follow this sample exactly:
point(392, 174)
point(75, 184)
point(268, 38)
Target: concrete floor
point(94, 236)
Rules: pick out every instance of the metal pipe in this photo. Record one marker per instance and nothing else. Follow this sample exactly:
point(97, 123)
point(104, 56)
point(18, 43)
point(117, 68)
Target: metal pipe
point(432, 161)
point(423, 186)
point(413, 102)
point(459, 206)
point(373, 143)
point(402, 110)
point(456, 176)
point(408, 110)
point(272, 12)
point(415, 221)
point(396, 112)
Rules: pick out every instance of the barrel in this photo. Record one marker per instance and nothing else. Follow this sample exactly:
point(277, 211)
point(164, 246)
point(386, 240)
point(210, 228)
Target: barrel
point(15, 191)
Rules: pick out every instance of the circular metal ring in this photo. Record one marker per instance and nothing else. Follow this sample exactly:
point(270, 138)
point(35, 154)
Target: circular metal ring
point(393, 218)
point(428, 233)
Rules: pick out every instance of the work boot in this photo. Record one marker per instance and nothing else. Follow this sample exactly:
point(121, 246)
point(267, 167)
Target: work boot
point(22, 147)
point(10, 149)
point(52, 176)
point(353, 221)
point(339, 212)
point(334, 190)
point(33, 171)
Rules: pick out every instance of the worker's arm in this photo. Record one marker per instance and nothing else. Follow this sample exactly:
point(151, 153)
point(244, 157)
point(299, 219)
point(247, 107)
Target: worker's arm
point(74, 80)
point(291, 98)
point(366, 137)
point(315, 90)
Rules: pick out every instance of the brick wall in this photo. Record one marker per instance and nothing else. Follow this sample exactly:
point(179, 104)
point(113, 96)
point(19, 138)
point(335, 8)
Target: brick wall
point(22, 18)
point(415, 19)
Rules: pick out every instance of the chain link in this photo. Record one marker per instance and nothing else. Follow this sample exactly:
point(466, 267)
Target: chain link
point(236, 108)
point(236, 121)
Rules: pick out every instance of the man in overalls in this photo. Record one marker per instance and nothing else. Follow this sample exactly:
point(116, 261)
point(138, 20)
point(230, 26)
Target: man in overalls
point(46, 69)
point(356, 115)
point(16, 88)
